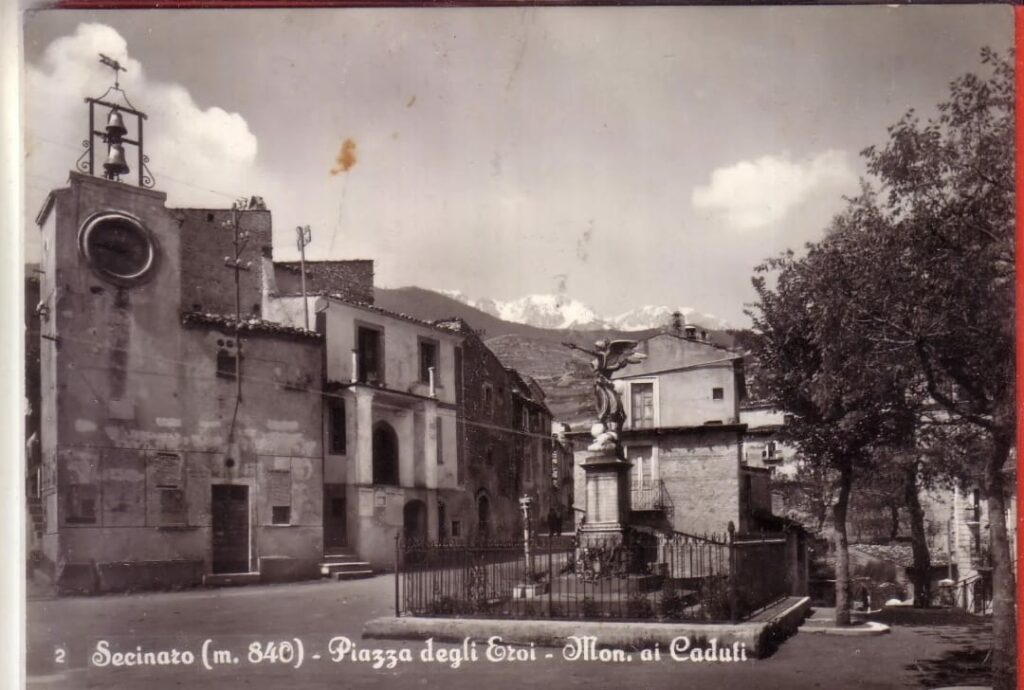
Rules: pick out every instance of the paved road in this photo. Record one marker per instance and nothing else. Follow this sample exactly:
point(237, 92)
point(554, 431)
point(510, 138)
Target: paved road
point(315, 613)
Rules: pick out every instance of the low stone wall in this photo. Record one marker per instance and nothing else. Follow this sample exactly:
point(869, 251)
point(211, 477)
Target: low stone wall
point(281, 569)
point(95, 578)
point(758, 638)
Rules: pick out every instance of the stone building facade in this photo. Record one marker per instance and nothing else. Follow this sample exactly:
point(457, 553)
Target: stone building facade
point(684, 440)
point(161, 467)
point(391, 408)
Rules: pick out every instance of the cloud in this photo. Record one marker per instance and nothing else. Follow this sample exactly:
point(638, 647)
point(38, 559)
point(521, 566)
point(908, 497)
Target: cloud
point(750, 195)
point(199, 156)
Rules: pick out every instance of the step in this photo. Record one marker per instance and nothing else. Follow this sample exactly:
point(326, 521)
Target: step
point(230, 579)
point(331, 560)
point(353, 574)
point(338, 553)
point(328, 569)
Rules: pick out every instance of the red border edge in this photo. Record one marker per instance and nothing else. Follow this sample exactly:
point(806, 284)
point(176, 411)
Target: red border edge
point(1019, 256)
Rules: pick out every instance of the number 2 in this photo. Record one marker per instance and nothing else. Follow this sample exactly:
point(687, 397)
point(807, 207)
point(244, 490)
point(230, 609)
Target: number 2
point(59, 654)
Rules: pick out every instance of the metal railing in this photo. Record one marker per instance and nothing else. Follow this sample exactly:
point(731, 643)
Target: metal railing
point(647, 495)
point(642, 577)
point(974, 594)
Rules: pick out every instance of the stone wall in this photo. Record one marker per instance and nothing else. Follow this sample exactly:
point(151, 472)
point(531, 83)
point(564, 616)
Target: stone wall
point(207, 284)
point(350, 280)
point(490, 457)
point(700, 471)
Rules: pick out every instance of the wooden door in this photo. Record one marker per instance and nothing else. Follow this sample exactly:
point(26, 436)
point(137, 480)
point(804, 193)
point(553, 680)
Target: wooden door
point(335, 519)
point(230, 513)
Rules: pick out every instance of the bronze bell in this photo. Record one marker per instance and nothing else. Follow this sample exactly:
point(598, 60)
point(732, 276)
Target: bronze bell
point(115, 164)
point(115, 125)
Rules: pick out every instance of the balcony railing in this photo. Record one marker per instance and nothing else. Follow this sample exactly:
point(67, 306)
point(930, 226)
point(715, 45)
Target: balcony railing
point(647, 495)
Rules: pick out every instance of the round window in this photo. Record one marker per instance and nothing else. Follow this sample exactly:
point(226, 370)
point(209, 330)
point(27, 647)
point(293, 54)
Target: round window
point(118, 247)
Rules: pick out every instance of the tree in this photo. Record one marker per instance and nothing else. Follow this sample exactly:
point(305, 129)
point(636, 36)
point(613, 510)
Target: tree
point(923, 290)
point(810, 363)
point(941, 233)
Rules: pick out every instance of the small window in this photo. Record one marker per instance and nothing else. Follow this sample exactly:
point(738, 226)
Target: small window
point(336, 429)
point(428, 360)
point(456, 529)
point(172, 506)
point(227, 363)
point(281, 515)
point(718, 394)
point(488, 395)
point(81, 504)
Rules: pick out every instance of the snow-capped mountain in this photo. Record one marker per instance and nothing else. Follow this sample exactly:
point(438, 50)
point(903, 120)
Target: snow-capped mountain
point(542, 311)
point(650, 316)
point(561, 311)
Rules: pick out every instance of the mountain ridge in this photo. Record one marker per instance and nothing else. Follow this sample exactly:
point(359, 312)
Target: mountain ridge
point(563, 374)
point(562, 311)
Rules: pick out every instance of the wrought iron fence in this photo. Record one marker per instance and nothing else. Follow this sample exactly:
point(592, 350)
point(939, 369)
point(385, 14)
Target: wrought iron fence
point(974, 594)
point(642, 577)
point(761, 570)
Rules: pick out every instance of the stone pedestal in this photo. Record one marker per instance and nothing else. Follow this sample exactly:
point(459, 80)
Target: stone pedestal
point(607, 499)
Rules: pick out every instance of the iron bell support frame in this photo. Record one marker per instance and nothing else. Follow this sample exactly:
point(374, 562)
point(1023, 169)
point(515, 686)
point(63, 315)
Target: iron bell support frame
point(87, 163)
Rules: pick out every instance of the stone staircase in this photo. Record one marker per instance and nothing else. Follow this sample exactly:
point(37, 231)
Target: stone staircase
point(342, 564)
point(35, 514)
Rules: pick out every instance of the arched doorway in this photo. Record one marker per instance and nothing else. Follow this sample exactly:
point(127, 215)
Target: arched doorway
point(414, 521)
point(385, 454)
point(483, 516)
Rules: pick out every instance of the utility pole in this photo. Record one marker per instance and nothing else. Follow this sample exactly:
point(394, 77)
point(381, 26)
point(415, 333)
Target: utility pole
point(240, 239)
point(303, 237)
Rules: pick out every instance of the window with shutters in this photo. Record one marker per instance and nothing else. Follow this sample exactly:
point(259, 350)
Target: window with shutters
point(279, 492)
point(642, 405)
point(227, 358)
point(167, 476)
point(439, 435)
point(428, 360)
point(81, 504)
point(337, 440)
point(370, 355)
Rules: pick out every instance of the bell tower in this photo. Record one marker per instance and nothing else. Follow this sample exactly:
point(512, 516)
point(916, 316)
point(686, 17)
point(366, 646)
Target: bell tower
point(109, 287)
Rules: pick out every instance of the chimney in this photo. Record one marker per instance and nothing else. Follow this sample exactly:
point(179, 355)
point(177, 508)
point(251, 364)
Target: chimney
point(677, 322)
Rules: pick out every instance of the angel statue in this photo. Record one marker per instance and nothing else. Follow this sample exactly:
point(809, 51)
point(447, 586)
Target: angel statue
point(608, 358)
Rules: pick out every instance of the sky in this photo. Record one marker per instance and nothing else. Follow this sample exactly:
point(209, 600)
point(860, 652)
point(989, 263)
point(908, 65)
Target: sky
point(630, 156)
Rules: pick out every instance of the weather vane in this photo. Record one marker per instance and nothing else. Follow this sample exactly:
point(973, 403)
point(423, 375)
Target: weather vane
point(115, 133)
point(114, 65)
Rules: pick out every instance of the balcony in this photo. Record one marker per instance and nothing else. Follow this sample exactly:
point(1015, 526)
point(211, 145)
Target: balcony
point(648, 495)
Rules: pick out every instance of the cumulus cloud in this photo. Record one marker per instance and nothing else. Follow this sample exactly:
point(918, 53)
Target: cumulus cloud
point(754, 194)
point(199, 156)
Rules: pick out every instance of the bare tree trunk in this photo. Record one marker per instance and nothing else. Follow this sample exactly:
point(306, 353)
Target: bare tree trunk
point(1004, 630)
point(842, 544)
point(921, 573)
